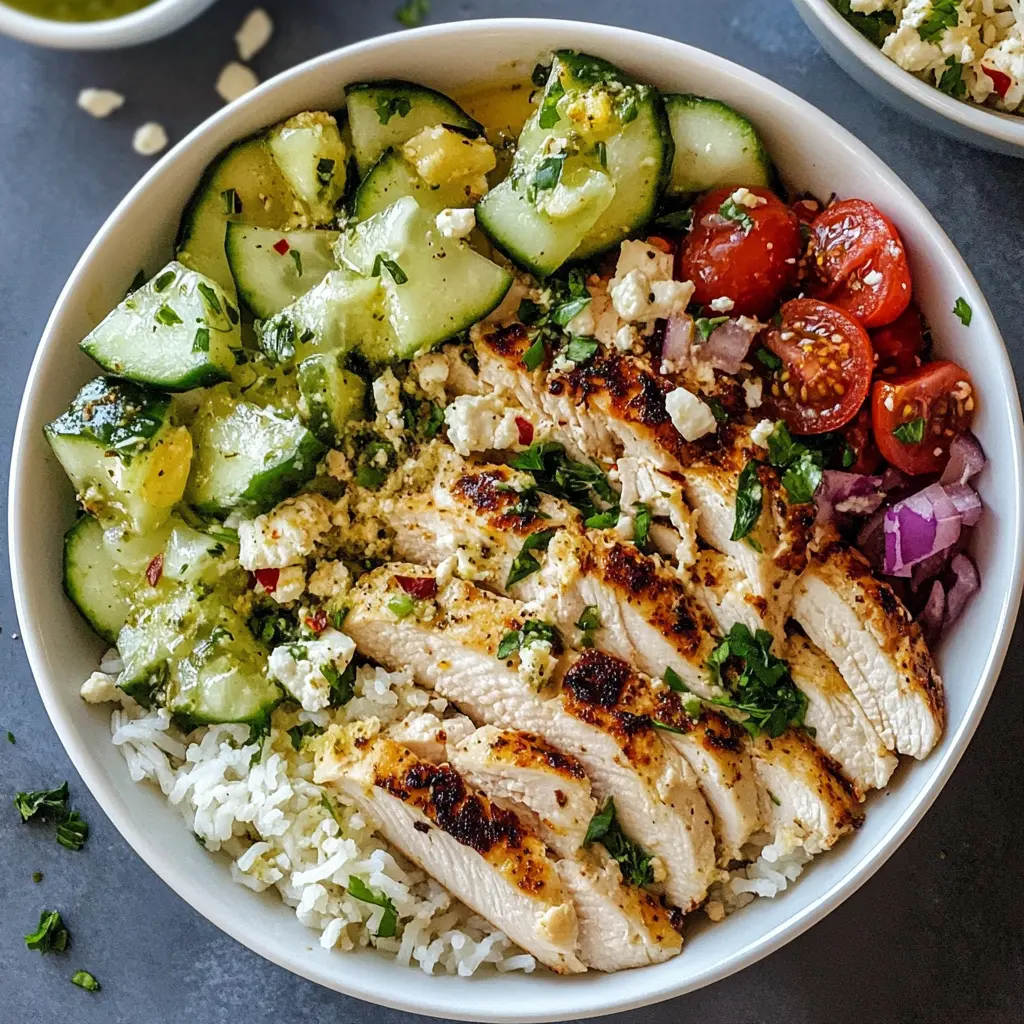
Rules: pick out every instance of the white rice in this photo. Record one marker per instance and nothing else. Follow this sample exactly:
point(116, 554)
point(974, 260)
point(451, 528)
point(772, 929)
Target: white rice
point(270, 819)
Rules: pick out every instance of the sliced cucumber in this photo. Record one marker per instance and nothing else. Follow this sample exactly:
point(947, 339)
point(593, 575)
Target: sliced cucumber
point(714, 145)
point(343, 312)
point(383, 115)
point(274, 268)
point(331, 396)
point(94, 581)
point(124, 454)
point(391, 178)
point(245, 184)
point(191, 556)
point(176, 332)
point(247, 457)
point(435, 286)
point(309, 150)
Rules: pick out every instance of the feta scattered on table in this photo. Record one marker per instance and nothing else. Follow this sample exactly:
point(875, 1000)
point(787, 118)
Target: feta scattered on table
point(100, 102)
point(254, 33)
point(455, 223)
point(235, 80)
point(149, 139)
point(299, 667)
point(689, 415)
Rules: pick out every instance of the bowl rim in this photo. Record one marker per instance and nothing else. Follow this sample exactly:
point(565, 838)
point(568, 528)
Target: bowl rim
point(587, 1001)
point(996, 124)
point(157, 18)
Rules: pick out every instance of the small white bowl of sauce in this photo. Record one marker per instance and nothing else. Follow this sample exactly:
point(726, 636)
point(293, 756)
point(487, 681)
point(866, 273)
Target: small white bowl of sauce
point(95, 24)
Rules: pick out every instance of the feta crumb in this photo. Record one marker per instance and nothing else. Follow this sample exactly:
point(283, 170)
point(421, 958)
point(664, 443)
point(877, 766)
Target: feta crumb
point(744, 197)
point(330, 580)
point(723, 304)
point(752, 392)
point(299, 667)
point(760, 434)
point(100, 688)
point(689, 415)
point(386, 394)
point(873, 278)
point(100, 102)
point(432, 373)
point(149, 139)
point(235, 80)
point(625, 336)
point(455, 223)
point(625, 527)
point(284, 536)
point(536, 663)
point(889, 403)
point(478, 423)
point(254, 33)
point(291, 582)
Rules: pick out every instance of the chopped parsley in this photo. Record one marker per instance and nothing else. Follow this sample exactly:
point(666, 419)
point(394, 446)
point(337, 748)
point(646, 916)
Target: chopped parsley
point(166, 316)
point(875, 26)
point(582, 484)
point(579, 350)
point(718, 410)
point(642, 526)
point(731, 210)
point(588, 624)
point(47, 803)
point(325, 803)
point(369, 473)
point(83, 979)
point(525, 564)
point(749, 501)
point(565, 312)
point(389, 106)
point(674, 220)
point(963, 310)
point(548, 116)
point(37, 876)
point(952, 81)
point(706, 325)
point(943, 14)
point(72, 832)
point(401, 606)
point(299, 733)
point(51, 936)
point(10, 736)
point(164, 281)
point(802, 466)
point(297, 260)
point(389, 919)
point(768, 358)
point(758, 683)
point(398, 275)
point(201, 342)
point(546, 176)
point(674, 682)
point(626, 107)
point(633, 859)
point(534, 355)
point(603, 520)
point(533, 632)
point(911, 432)
point(342, 684)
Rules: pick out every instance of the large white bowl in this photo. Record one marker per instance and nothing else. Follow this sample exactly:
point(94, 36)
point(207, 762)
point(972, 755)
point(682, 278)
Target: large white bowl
point(814, 153)
point(863, 61)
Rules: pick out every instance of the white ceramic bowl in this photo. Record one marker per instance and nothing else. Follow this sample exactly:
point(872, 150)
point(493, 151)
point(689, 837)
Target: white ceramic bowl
point(160, 18)
point(813, 152)
point(863, 61)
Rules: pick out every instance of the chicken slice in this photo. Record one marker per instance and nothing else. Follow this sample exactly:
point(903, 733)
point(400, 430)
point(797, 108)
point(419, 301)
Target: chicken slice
point(727, 592)
point(428, 736)
point(452, 648)
point(865, 629)
point(521, 770)
point(620, 926)
point(482, 853)
point(841, 729)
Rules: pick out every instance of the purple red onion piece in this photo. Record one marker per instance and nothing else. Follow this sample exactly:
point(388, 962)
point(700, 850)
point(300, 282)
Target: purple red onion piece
point(917, 527)
point(932, 614)
point(968, 582)
point(675, 349)
point(966, 459)
point(729, 343)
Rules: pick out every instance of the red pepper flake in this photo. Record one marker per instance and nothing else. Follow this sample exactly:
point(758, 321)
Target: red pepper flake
point(525, 430)
point(267, 579)
point(281, 246)
point(317, 622)
point(1001, 81)
point(155, 570)
point(420, 587)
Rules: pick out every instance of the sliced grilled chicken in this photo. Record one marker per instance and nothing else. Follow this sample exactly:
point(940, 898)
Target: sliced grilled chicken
point(521, 770)
point(620, 926)
point(483, 854)
point(865, 629)
point(727, 592)
point(841, 729)
point(642, 483)
point(452, 649)
point(812, 805)
point(428, 736)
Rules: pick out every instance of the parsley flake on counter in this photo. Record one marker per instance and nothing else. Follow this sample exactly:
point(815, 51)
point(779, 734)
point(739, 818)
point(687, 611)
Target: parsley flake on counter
point(51, 936)
point(411, 14)
point(37, 876)
point(44, 802)
point(633, 859)
point(911, 432)
point(963, 311)
point(525, 564)
point(389, 919)
point(72, 832)
point(10, 736)
point(83, 979)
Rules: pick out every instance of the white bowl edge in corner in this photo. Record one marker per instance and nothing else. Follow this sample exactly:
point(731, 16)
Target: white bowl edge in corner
point(140, 233)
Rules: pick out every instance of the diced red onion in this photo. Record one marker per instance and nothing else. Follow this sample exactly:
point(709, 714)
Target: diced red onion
point(968, 582)
point(917, 527)
point(893, 480)
point(966, 501)
point(728, 344)
point(928, 568)
point(966, 459)
point(871, 539)
point(859, 491)
point(675, 349)
point(931, 616)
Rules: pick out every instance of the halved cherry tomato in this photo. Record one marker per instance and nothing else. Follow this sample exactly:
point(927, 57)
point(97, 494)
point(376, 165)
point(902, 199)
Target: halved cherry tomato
point(859, 436)
point(935, 402)
point(749, 257)
point(826, 366)
point(857, 261)
point(899, 345)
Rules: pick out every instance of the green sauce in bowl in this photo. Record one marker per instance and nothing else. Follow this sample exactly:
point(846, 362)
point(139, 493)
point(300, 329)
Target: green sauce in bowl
point(77, 10)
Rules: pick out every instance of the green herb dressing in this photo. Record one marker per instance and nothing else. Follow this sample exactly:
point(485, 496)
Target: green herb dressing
point(77, 10)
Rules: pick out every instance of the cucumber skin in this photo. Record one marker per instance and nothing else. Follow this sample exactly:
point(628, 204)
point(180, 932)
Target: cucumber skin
point(76, 536)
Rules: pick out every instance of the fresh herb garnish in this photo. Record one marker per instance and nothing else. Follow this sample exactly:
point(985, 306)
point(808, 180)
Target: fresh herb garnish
point(534, 355)
point(297, 260)
point(603, 520)
point(706, 325)
point(389, 919)
point(673, 681)
point(802, 466)
point(674, 220)
point(579, 350)
point(389, 106)
point(768, 358)
point(83, 979)
point(579, 483)
point(534, 631)
point(626, 107)
point(749, 500)
point(343, 684)
point(759, 683)
point(641, 526)
point(164, 281)
point(911, 432)
point(731, 210)
point(401, 605)
point(875, 26)
point(633, 859)
point(943, 14)
point(298, 733)
point(952, 81)
point(370, 472)
point(548, 115)
point(525, 564)
point(963, 310)
point(166, 316)
point(565, 312)
point(718, 410)
point(398, 275)
point(201, 342)
point(546, 176)
point(51, 936)
point(588, 624)
point(529, 312)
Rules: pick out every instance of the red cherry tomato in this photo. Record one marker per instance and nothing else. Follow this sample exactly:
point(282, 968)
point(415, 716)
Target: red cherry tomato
point(748, 254)
point(806, 209)
point(857, 262)
point(825, 371)
point(859, 436)
point(899, 345)
point(917, 415)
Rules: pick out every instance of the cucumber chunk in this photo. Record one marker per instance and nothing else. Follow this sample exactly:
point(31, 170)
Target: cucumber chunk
point(435, 286)
point(94, 581)
point(245, 184)
point(176, 332)
point(125, 456)
point(331, 396)
point(247, 457)
point(269, 278)
point(309, 150)
point(192, 556)
point(391, 178)
point(383, 115)
point(343, 312)
point(714, 145)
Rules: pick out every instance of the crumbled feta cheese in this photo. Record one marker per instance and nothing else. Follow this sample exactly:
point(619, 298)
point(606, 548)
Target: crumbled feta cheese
point(636, 298)
point(100, 688)
point(254, 33)
point(441, 155)
point(387, 395)
point(149, 139)
point(454, 223)
point(689, 415)
point(291, 582)
point(744, 197)
point(867, 6)
point(582, 324)
point(752, 392)
point(654, 264)
point(625, 337)
point(889, 403)
point(431, 372)
point(536, 663)
point(658, 870)
point(337, 465)
point(760, 434)
point(286, 535)
point(100, 102)
point(299, 667)
point(625, 526)
point(330, 580)
point(478, 423)
point(873, 278)
point(723, 304)
point(235, 80)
